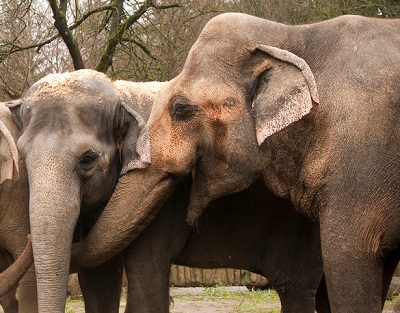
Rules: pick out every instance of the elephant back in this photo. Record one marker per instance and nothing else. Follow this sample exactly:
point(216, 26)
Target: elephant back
point(139, 96)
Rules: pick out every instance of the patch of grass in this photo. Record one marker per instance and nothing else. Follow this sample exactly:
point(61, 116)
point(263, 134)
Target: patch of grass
point(247, 301)
point(256, 301)
point(77, 304)
point(389, 304)
point(74, 305)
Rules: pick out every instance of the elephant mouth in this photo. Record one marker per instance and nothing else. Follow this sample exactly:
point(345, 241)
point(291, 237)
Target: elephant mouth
point(200, 197)
point(215, 177)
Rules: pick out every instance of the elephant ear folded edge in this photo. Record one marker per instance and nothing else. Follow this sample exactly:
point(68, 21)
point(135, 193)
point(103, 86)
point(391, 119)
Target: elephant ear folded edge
point(292, 107)
point(138, 156)
point(286, 91)
point(9, 156)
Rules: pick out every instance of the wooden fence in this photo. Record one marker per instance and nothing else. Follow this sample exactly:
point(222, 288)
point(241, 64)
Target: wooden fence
point(181, 276)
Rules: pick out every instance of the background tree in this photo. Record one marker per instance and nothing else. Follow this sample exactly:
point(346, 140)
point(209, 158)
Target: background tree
point(138, 40)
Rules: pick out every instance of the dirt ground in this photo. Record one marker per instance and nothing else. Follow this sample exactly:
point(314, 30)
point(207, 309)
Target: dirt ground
point(215, 300)
point(197, 300)
point(189, 300)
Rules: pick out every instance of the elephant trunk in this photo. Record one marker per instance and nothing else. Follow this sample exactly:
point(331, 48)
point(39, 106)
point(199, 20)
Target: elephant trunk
point(12, 275)
point(53, 211)
point(137, 199)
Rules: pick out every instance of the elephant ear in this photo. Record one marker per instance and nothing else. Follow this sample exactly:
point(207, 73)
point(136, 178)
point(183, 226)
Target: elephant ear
point(132, 138)
point(285, 92)
point(9, 156)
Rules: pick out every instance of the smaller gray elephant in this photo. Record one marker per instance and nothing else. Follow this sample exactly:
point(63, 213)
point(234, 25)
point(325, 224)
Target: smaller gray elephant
point(77, 138)
point(14, 220)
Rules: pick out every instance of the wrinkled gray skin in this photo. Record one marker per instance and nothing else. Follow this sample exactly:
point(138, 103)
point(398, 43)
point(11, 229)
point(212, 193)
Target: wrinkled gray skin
point(76, 139)
point(262, 233)
point(14, 217)
point(223, 120)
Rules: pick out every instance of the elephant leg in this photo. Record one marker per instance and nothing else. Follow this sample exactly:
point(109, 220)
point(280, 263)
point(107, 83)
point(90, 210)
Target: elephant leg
point(101, 286)
point(297, 295)
point(322, 304)
point(353, 277)
point(8, 301)
point(293, 263)
point(148, 281)
point(391, 261)
point(148, 258)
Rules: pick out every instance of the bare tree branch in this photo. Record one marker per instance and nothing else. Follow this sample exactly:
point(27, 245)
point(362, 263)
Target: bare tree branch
point(60, 22)
point(89, 13)
point(109, 51)
point(163, 7)
point(15, 48)
point(141, 46)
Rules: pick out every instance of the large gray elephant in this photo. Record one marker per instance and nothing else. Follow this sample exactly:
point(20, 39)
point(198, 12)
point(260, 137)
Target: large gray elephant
point(262, 233)
point(77, 137)
point(246, 106)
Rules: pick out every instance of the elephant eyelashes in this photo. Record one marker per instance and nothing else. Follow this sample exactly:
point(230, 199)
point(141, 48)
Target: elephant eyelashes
point(182, 111)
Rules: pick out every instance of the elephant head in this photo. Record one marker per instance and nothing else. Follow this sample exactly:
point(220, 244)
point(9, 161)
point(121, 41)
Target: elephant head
point(77, 138)
point(209, 123)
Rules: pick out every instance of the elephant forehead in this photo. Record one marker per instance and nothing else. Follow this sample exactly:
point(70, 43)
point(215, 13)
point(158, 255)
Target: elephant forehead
point(55, 106)
point(71, 85)
point(216, 99)
point(211, 88)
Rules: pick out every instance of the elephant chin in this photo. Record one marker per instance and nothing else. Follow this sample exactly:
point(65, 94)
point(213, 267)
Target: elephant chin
point(207, 188)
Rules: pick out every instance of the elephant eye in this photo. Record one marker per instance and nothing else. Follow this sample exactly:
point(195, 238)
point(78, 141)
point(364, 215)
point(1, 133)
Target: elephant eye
point(88, 161)
point(181, 111)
